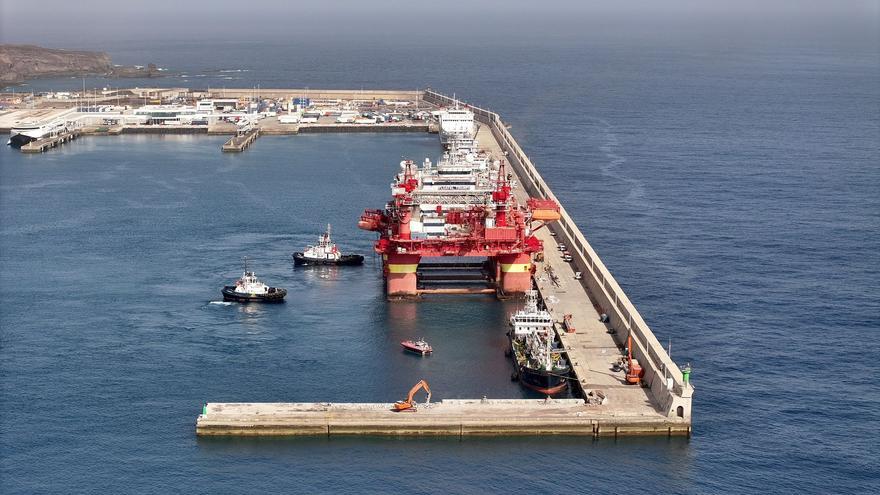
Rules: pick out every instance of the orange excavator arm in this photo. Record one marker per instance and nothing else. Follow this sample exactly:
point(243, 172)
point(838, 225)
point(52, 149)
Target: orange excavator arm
point(421, 385)
point(409, 403)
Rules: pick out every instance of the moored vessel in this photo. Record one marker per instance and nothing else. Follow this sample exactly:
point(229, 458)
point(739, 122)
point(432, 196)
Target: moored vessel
point(325, 253)
point(26, 132)
point(249, 288)
point(456, 124)
point(417, 346)
point(539, 364)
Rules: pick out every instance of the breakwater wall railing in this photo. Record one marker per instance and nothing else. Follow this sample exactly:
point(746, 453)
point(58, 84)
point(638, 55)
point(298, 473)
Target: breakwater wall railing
point(667, 383)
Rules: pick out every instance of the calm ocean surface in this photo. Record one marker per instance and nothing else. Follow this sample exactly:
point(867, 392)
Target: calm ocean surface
point(733, 190)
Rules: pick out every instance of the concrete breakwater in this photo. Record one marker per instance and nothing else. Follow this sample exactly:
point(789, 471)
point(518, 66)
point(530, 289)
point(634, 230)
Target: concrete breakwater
point(668, 387)
point(447, 418)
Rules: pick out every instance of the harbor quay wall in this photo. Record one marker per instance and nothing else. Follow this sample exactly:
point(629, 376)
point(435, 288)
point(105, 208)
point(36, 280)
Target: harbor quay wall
point(315, 129)
point(317, 94)
point(668, 388)
point(450, 427)
point(164, 129)
point(268, 131)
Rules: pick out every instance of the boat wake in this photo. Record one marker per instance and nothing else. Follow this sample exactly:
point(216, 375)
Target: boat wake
point(221, 303)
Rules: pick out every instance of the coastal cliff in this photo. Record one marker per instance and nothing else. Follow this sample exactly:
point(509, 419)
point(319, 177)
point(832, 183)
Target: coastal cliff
point(22, 62)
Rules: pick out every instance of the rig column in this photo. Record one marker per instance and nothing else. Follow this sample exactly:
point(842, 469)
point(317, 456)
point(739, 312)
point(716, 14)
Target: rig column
point(400, 275)
point(516, 274)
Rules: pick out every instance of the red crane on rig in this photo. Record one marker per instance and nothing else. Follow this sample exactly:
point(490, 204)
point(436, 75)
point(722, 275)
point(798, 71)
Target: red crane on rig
point(500, 230)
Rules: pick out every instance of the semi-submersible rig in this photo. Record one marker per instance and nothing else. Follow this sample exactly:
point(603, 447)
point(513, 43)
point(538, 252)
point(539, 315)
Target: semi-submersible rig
point(462, 207)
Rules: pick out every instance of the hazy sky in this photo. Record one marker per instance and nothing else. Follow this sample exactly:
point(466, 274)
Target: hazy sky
point(75, 23)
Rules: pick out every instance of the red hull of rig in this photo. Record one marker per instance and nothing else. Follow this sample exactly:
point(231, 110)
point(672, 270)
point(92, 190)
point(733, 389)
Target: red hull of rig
point(507, 240)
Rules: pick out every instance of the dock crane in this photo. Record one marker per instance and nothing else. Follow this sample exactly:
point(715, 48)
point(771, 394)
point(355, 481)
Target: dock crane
point(409, 404)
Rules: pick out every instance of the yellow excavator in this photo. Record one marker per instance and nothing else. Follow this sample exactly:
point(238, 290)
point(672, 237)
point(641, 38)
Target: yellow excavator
point(409, 404)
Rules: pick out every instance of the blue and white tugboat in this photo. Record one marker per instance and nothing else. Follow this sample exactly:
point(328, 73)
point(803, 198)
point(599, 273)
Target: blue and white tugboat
point(538, 363)
point(248, 288)
point(325, 253)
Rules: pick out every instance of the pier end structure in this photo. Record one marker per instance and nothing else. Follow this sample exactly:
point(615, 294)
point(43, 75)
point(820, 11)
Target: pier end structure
point(669, 389)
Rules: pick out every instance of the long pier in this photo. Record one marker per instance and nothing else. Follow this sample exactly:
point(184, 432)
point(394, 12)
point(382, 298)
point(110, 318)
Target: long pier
point(449, 418)
point(599, 318)
point(240, 142)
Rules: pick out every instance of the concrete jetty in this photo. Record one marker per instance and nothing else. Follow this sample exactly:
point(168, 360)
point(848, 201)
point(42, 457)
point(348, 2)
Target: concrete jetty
point(451, 418)
point(44, 144)
point(241, 141)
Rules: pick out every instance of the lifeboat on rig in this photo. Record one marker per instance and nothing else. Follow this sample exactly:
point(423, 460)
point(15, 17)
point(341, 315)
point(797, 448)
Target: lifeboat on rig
point(371, 220)
point(545, 210)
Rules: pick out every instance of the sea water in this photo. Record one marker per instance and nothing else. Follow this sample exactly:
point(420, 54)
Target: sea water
point(731, 188)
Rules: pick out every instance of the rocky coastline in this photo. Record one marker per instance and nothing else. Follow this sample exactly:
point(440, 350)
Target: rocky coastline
point(19, 63)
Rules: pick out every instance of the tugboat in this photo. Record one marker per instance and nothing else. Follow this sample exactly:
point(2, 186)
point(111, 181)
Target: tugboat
point(417, 346)
point(326, 253)
point(538, 364)
point(249, 289)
